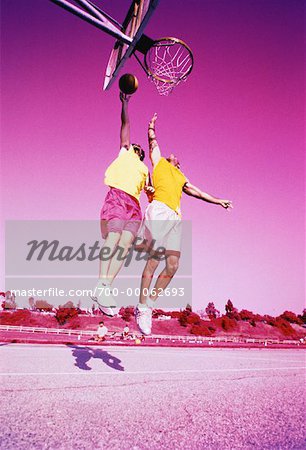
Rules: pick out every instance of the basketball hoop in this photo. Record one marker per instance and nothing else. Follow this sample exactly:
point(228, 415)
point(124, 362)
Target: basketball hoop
point(167, 62)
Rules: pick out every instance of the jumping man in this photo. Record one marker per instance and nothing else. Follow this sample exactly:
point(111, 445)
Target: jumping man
point(162, 225)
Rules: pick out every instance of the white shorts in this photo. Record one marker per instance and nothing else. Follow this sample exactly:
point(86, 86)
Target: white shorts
point(161, 229)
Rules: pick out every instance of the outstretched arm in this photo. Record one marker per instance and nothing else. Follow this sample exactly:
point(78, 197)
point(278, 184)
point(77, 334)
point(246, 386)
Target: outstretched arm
point(194, 191)
point(125, 122)
point(155, 154)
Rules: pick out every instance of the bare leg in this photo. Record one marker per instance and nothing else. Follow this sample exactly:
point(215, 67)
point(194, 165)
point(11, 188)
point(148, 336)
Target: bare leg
point(111, 243)
point(164, 278)
point(116, 262)
point(146, 278)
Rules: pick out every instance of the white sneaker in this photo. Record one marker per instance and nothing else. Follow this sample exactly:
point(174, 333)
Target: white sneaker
point(143, 315)
point(104, 299)
point(109, 311)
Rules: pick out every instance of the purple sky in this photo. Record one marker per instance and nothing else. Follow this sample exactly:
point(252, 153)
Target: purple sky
point(237, 126)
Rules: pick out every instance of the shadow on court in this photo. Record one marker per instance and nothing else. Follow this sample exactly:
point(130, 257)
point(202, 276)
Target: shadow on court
point(83, 355)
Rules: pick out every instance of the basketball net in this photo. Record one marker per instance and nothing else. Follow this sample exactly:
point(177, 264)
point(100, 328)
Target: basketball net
point(169, 61)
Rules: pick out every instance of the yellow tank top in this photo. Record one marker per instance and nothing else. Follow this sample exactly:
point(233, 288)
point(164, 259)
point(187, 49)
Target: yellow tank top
point(127, 173)
point(168, 182)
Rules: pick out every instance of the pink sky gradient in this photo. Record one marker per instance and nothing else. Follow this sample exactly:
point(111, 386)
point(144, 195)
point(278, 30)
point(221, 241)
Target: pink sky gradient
point(237, 126)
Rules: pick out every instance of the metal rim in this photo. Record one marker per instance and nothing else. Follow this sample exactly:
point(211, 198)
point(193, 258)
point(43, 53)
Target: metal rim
point(175, 41)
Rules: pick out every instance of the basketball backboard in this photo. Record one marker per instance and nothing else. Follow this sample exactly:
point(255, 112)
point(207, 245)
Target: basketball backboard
point(133, 26)
point(167, 61)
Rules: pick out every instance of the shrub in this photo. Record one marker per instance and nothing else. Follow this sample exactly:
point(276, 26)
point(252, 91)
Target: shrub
point(20, 317)
point(246, 315)
point(64, 314)
point(291, 317)
point(258, 318)
point(175, 314)
point(27, 318)
point(217, 323)
point(227, 323)
point(200, 330)
point(285, 327)
point(211, 328)
point(270, 320)
point(236, 316)
point(126, 313)
point(193, 319)
point(183, 319)
point(74, 323)
point(302, 316)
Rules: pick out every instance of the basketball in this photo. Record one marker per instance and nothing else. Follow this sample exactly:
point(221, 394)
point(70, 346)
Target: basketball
point(128, 84)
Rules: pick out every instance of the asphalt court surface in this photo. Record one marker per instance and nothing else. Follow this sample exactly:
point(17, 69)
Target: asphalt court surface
point(83, 397)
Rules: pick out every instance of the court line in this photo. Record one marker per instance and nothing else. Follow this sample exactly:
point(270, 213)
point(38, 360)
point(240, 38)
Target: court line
point(210, 352)
point(154, 372)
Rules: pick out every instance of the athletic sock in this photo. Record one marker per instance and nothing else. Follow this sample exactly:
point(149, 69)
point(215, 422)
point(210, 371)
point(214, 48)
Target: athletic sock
point(150, 303)
point(142, 305)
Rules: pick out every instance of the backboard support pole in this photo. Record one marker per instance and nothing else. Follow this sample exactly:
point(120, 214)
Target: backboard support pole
point(91, 9)
point(111, 19)
point(104, 25)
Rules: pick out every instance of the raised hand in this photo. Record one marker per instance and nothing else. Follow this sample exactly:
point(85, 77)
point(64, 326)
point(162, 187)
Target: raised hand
point(153, 120)
point(149, 189)
point(124, 97)
point(227, 204)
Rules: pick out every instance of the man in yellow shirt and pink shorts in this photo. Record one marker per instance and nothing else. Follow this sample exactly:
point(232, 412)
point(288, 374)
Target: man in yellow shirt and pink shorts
point(120, 215)
point(162, 226)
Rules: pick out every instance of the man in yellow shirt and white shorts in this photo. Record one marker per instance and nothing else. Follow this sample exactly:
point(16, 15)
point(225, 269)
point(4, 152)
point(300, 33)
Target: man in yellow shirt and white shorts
point(162, 225)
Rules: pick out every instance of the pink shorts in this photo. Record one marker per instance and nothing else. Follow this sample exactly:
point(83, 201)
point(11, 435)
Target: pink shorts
point(120, 212)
